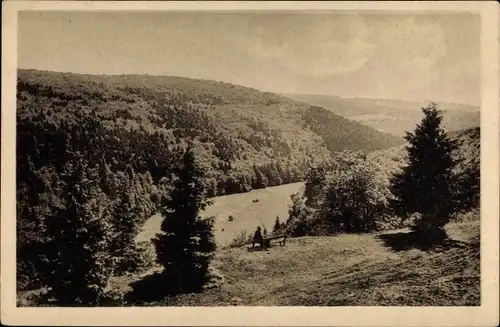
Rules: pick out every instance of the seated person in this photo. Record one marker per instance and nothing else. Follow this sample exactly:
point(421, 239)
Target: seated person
point(257, 238)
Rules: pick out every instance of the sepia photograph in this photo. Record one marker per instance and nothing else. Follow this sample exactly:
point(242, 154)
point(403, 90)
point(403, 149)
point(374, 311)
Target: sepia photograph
point(250, 158)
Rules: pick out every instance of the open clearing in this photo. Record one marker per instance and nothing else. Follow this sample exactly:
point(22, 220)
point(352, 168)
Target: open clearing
point(247, 215)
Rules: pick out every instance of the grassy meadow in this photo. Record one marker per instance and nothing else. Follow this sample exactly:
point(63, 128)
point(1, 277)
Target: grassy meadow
point(247, 215)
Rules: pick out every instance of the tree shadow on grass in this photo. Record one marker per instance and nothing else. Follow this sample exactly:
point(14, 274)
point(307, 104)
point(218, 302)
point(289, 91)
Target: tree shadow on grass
point(257, 248)
point(404, 241)
point(152, 288)
point(159, 287)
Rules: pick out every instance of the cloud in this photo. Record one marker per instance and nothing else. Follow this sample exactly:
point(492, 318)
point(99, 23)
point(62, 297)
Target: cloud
point(313, 45)
point(410, 43)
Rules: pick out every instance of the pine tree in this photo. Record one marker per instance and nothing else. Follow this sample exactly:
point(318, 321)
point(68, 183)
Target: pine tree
point(186, 246)
point(125, 223)
point(469, 188)
point(277, 225)
point(77, 274)
point(299, 216)
point(425, 185)
point(314, 183)
point(283, 226)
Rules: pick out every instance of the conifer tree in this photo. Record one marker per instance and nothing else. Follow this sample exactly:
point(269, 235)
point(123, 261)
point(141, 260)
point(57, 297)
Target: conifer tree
point(314, 183)
point(77, 234)
point(277, 225)
point(125, 224)
point(469, 188)
point(186, 246)
point(425, 185)
point(299, 216)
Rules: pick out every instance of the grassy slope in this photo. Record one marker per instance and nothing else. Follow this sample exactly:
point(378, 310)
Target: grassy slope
point(273, 201)
point(392, 116)
point(347, 270)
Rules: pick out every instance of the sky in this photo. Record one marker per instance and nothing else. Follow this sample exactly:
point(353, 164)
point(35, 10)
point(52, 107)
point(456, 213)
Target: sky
point(416, 57)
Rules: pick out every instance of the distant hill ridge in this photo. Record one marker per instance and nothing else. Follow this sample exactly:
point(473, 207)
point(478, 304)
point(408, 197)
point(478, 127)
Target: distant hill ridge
point(392, 115)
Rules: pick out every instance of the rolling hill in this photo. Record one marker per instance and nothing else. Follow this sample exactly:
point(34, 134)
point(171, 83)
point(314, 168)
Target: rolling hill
point(354, 270)
point(235, 128)
point(392, 116)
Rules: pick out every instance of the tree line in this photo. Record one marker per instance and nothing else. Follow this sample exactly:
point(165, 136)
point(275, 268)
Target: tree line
point(89, 235)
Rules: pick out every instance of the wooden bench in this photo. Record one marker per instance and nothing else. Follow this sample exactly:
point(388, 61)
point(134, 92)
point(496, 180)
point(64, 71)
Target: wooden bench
point(281, 239)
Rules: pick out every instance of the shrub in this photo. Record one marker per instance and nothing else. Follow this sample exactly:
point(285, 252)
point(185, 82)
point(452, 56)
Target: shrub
point(354, 199)
point(300, 216)
point(215, 279)
point(144, 256)
point(277, 228)
point(471, 215)
point(350, 194)
point(242, 239)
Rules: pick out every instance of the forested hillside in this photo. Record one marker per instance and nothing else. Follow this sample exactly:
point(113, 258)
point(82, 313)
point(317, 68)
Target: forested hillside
point(123, 135)
point(247, 139)
point(392, 116)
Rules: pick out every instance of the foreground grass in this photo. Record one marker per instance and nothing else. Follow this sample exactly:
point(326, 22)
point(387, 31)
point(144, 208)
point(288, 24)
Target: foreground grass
point(348, 270)
point(377, 269)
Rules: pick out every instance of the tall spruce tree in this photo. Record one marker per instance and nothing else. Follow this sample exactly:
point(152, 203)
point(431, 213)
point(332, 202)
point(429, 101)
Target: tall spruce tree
point(186, 246)
point(277, 225)
point(76, 272)
point(425, 185)
point(125, 223)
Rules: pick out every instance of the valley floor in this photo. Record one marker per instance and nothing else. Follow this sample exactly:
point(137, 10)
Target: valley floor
point(378, 269)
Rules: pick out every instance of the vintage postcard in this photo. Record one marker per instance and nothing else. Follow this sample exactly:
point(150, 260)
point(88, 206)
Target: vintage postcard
point(250, 163)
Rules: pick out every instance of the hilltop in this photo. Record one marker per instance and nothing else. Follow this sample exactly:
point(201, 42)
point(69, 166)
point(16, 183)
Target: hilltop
point(390, 115)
